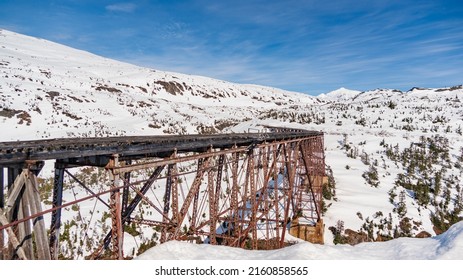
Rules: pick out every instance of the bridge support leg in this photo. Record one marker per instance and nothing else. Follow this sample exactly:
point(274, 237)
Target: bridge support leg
point(214, 197)
point(234, 211)
point(40, 233)
point(24, 201)
point(56, 214)
point(167, 195)
point(252, 186)
point(15, 184)
point(2, 205)
point(25, 231)
point(116, 211)
point(13, 240)
point(125, 191)
point(212, 209)
point(276, 205)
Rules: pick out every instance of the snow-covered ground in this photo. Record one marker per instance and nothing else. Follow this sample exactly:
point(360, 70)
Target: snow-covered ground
point(49, 90)
point(448, 245)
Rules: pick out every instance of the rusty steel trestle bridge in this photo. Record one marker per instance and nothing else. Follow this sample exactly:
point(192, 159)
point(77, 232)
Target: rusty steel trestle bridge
point(246, 190)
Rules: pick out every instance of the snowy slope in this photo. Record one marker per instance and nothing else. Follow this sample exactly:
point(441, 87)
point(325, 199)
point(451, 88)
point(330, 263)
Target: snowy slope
point(67, 92)
point(49, 90)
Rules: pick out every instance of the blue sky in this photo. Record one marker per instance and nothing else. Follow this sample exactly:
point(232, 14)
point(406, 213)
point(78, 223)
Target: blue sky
point(307, 46)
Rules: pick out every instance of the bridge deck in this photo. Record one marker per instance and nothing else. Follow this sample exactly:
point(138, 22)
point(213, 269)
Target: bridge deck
point(132, 147)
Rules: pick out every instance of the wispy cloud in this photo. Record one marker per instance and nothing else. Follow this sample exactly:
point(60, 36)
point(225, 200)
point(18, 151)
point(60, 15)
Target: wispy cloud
point(121, 7)
point(314, 48)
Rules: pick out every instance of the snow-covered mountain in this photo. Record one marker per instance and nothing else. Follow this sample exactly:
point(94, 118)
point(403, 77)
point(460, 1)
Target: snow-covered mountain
point(341, 94)
point(395, 157)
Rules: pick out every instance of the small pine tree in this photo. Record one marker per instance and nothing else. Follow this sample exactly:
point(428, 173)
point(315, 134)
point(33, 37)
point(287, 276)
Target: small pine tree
point(401, 206)
point(391, 105)
point(371, 176)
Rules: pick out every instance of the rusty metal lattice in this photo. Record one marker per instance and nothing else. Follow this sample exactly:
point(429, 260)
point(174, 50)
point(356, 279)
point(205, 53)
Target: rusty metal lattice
point(242, 193)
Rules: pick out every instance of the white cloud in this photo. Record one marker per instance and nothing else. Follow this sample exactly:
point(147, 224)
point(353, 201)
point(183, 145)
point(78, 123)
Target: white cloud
point(121, 7)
